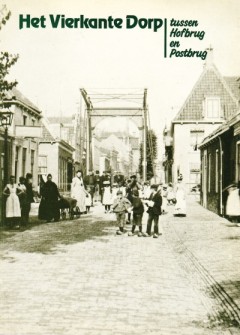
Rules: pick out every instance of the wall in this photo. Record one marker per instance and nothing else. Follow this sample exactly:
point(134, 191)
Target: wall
point(50, 150)
point(184, 156)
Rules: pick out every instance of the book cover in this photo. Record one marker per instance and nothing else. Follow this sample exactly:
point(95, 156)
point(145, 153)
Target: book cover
point(104, 100)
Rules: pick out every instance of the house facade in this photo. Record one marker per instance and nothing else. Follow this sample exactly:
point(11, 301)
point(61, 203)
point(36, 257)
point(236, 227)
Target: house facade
point(70, 130)
point(210, 103)
point(220, 164)
point(23, 136)
point(55, 157)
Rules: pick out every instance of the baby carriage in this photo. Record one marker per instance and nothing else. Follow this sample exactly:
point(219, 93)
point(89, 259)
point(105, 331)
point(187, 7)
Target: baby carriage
point(68, 205)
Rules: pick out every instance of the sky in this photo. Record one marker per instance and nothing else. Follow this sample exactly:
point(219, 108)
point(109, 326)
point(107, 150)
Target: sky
point(55, 63)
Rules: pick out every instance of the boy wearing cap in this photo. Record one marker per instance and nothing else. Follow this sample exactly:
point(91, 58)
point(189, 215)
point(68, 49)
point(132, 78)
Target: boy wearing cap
point(154, 210)
point(120, 207)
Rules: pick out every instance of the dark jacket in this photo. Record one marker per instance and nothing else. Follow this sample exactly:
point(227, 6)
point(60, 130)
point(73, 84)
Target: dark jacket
point(90, 180)
point(156, 209)
point(137, 204)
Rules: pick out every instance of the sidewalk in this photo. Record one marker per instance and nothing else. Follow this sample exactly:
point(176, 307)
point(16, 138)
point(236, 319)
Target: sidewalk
point(212, 244)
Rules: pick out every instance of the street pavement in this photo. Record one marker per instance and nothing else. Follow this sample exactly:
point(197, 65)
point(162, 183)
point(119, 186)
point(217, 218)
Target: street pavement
point(79, 277)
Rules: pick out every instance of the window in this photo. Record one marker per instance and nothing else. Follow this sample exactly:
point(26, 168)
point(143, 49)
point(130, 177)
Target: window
point(216, 171)
point(32, 161)
point(42, 164)
point(238, 161)
point(24, 157)
point(16, 162)
point(24, 120)
point(209, 172)
point(33, 122)
point(213, 108)
point(196, 137)
point(194, 174)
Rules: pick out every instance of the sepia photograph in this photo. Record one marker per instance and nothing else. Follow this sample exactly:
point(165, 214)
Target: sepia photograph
point(120, 167)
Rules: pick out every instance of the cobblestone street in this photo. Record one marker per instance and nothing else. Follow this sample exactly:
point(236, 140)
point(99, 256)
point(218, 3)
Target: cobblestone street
point(79, 277)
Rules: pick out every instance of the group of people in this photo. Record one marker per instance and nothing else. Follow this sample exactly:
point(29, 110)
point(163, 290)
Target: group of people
point(19, 197)
point(93, 188)
point(155, 198)
point(125, 197)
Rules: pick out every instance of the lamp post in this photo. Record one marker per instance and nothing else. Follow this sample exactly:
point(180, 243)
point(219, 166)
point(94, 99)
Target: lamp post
point(6, 118)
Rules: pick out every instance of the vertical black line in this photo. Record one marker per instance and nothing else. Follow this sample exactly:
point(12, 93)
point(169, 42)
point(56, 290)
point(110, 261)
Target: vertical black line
point(165, 38)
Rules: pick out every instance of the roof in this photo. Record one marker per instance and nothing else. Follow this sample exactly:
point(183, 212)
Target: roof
point(210, 83)
point(47, 136)
point(15, 94)
point(234, 84)
point(220, 130)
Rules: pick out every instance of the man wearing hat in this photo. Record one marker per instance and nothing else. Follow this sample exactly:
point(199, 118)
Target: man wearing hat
point(154, 210)
point(118, 178)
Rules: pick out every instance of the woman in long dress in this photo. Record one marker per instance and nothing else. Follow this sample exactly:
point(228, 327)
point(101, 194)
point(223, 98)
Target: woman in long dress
point(233, 203)
point(180, 207)
point(78, 191)
point(13, 210)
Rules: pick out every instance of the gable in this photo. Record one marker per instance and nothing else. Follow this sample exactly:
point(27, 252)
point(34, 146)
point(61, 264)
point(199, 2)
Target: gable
point(210, 84)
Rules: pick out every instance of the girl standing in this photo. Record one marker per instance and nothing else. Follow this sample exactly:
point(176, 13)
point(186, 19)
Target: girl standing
point(107, 196)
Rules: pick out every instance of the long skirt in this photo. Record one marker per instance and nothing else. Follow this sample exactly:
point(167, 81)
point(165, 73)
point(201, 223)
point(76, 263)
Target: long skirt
point(81, 201)
point(13, 209)
point(180, 207)
point(233, 203)
point(48, 210)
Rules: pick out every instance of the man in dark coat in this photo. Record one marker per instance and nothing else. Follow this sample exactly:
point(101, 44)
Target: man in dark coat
point(132, 185)
point(154, 210)
point(50, 196)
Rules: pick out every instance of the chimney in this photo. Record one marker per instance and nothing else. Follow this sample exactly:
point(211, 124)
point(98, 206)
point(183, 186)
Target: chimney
point(209, 59)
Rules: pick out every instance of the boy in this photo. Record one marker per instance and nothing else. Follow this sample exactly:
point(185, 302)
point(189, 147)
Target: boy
point(120, 206)
point(154, 210)
point(138, 210)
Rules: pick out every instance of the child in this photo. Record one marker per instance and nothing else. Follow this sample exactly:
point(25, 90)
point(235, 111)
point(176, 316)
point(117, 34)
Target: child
point(120, 206)
point(107, 196)
point(88, 200)
point(138, 210)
